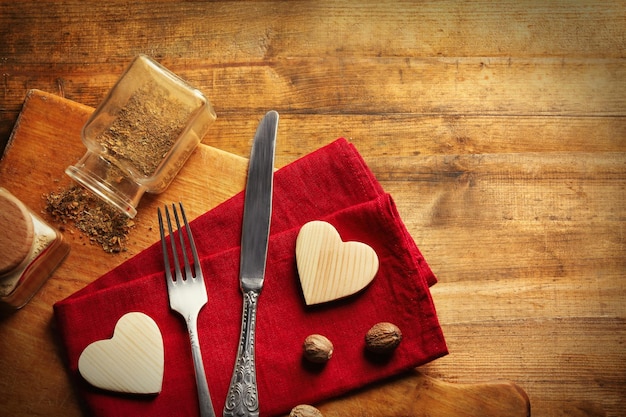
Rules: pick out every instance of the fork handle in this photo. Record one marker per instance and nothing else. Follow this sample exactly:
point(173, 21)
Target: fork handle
point(204, 398)
point(242, 399)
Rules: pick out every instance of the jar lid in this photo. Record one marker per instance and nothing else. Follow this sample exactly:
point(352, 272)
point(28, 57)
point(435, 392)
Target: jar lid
point(16, 232)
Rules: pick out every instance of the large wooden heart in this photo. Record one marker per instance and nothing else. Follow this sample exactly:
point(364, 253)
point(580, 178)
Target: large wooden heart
point(329, 268)
point(130, 362)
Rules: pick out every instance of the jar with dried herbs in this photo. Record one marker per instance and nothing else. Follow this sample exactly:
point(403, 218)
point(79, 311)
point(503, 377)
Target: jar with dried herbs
point(141, 135)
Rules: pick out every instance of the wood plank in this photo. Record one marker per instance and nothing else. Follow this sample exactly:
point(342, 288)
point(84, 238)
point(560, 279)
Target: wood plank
point(413, 135)
point(520, 226)
point(449, 86)
point(368, 28)
point(434, 32)
point(579, 360)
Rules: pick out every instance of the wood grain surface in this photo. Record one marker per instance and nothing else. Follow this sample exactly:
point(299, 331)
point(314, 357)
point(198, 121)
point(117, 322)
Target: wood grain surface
point(328, 267)
point(498, 127)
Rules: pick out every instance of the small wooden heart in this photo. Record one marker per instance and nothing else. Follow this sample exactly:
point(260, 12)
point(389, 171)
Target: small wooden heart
point(329, 268)
point(130, 362)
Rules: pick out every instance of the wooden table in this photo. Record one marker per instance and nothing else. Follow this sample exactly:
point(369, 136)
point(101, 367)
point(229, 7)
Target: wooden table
point(498, 127)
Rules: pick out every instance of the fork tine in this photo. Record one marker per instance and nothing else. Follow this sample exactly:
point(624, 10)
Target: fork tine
point(166, 258)
point(183, 247)
point(192, 243)
point(177, 271)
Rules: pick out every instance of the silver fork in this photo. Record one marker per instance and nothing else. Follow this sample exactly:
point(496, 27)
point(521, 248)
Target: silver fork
point(187, 295)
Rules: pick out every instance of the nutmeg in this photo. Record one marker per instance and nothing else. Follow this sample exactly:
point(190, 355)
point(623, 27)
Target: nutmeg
point(383, 338)
point(304, 410)
point(317, 348)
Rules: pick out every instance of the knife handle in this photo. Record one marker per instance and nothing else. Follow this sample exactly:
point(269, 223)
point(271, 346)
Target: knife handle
point(242, 399)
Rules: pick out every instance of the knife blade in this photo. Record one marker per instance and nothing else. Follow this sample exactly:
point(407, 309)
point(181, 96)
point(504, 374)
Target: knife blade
point(258, 205)
point(242, 397)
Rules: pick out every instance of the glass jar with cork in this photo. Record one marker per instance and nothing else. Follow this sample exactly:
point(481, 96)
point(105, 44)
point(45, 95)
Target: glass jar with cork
point(31, 250)
point(141, 135)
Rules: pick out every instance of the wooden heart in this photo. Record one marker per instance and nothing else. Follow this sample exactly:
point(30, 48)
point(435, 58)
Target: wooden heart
point(329, 268)
point(130, 362)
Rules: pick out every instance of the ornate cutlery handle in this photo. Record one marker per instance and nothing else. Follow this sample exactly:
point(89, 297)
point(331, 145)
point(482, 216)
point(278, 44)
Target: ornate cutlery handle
point(242, 399)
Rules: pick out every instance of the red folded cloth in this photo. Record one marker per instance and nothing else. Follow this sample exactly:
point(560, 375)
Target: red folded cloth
point(332, 184)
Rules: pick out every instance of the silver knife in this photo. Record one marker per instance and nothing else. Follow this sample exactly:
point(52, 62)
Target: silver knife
point(242, 398)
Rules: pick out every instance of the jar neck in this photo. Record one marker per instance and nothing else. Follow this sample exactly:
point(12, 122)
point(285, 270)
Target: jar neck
point(108, 182)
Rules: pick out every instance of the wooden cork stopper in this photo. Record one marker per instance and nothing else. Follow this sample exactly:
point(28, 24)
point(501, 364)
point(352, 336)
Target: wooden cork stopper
point(16, 232)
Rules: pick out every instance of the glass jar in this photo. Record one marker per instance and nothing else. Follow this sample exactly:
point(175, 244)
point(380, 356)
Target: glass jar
point(141, 135)
point(31, 251)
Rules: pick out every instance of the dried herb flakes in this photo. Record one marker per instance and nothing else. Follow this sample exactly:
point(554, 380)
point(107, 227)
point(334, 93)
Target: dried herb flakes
point(145, 129)
point(101, 223)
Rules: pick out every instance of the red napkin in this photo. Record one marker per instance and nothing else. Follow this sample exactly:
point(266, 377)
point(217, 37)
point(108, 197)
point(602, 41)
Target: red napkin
point(332, 184)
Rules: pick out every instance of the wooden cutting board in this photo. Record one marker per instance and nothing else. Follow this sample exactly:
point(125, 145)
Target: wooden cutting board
point(45, 140)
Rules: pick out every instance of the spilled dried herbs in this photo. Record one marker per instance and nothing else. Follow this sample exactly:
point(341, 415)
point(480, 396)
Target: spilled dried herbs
point(101, 223)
